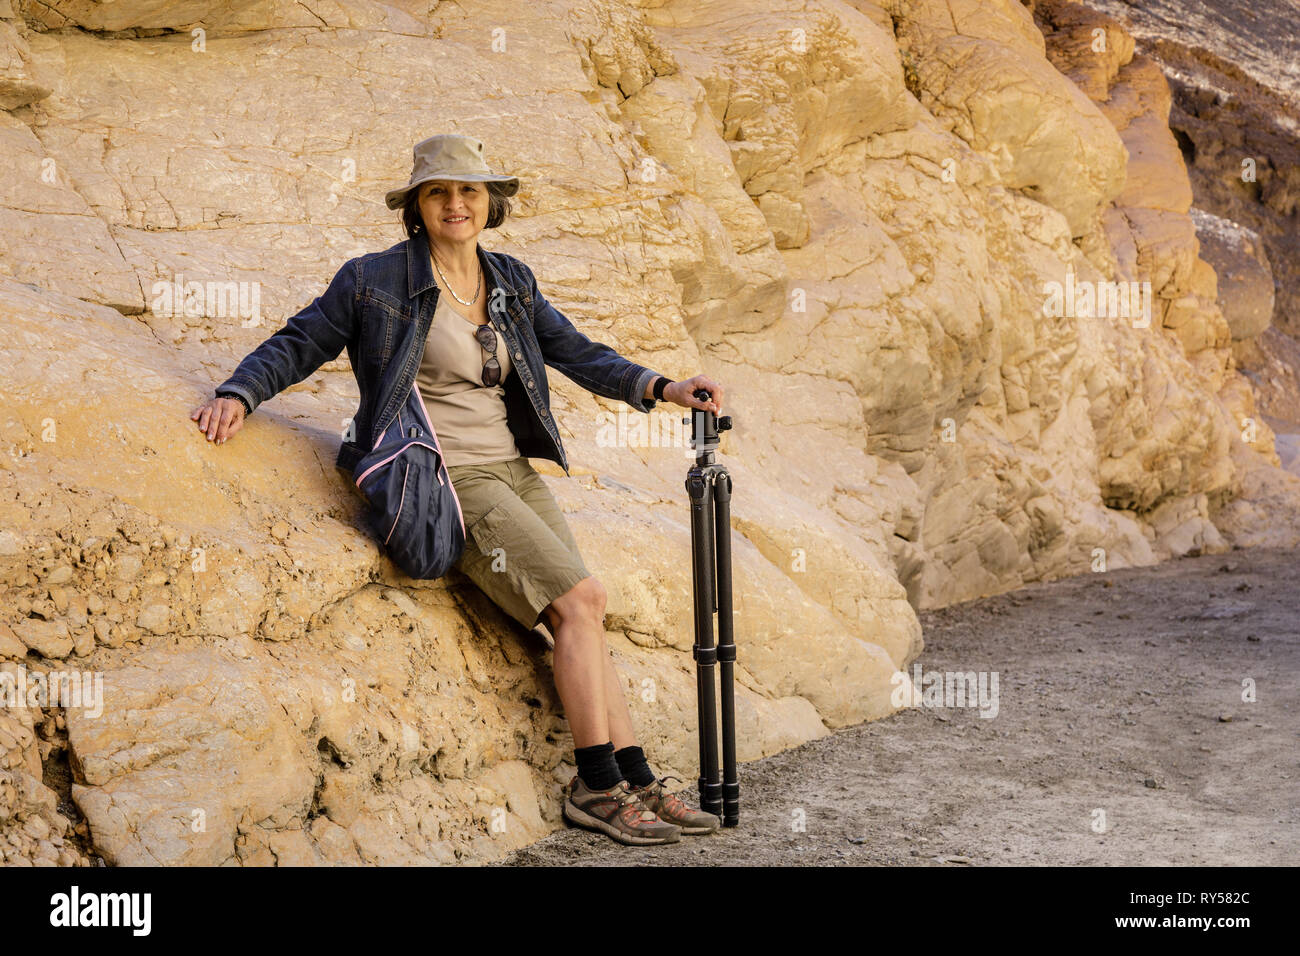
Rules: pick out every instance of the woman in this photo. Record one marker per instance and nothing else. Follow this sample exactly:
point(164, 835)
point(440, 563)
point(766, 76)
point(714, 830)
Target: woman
point(458, 320)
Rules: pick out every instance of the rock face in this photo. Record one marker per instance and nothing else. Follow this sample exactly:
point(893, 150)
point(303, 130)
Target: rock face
point(944, 251)
point(1245, 276)
point(1233, 69)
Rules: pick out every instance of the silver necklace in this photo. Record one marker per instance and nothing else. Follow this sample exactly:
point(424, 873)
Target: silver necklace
point(477, 289)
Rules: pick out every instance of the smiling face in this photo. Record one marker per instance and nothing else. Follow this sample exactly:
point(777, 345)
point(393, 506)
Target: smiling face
point(453, 211)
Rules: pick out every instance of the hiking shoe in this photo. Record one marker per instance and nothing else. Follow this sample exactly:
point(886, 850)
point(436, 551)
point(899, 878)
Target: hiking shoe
point(617, 813)
point(669, 808)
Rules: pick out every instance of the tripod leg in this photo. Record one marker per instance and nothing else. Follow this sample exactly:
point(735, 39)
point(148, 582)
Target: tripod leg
point(726, 649)
point(706, 654)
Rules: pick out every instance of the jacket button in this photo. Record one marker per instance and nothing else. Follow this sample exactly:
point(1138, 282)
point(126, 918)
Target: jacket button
point(518, 357)
point(530, 384)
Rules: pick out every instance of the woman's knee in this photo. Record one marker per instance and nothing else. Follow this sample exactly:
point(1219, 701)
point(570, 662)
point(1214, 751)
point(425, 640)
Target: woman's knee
point(585, 600)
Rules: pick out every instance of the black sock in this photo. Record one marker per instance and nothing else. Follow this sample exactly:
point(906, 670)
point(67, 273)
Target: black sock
point(597, 767)
point(632, 762)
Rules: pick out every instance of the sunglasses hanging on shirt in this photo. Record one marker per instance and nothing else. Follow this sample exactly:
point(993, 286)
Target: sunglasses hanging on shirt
point(491, 368)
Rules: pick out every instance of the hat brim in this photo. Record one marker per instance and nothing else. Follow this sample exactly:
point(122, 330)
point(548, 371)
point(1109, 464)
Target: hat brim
point(396, 198)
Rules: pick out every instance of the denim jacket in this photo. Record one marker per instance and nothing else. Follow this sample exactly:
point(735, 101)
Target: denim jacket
point(380, 306)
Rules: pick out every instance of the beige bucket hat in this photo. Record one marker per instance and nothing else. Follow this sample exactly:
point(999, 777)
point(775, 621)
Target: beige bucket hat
point(449, 156)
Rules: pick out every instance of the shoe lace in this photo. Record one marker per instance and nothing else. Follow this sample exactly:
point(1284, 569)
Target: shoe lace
point(670, 800)
point(629, 800)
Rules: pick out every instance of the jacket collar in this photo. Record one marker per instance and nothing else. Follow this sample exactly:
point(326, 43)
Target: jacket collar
point(419, 269)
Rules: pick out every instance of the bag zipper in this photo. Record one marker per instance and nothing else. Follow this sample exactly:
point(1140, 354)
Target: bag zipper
point(406, 473)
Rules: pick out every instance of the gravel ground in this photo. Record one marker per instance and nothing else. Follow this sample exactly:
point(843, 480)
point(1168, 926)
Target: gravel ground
point(1121, 737)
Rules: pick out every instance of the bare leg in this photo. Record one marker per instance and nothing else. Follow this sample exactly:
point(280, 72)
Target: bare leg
point(576, 620)
point(620, 718)
point(596, 707)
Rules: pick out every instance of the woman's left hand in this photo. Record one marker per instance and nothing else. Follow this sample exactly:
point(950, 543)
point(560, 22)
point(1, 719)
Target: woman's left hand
point(683, 393)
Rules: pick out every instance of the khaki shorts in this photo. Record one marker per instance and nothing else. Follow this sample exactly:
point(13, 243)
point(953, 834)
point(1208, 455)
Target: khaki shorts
point(518, 548)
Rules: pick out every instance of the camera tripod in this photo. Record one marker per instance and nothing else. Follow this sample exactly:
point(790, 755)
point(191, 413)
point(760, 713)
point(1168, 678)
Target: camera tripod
point(709, 485)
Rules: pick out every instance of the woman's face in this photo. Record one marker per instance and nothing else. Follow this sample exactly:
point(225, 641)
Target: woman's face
point(453, 211)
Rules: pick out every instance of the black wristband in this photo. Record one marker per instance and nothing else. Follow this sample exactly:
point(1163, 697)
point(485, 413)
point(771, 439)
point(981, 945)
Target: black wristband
point(660, 385)
point(242, 401)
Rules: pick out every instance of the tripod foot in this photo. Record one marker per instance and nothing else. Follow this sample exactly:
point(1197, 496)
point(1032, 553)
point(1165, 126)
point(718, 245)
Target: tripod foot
point(711, 798)
point(730, 804)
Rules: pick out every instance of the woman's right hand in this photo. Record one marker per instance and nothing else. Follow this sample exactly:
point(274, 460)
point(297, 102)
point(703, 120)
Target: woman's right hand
point(219, 418)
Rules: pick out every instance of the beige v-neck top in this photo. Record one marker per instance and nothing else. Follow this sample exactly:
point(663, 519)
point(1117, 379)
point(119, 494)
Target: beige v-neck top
point(469, 417)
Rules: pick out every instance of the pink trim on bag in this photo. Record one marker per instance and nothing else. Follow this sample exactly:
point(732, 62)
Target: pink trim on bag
point(441, 459)
point(380, 440)
point(414, 441)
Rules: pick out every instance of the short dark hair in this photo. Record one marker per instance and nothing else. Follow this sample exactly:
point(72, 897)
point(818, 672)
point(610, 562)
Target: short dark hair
point(499, 207)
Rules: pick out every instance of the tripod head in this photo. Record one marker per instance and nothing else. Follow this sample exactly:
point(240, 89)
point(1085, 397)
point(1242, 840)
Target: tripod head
point(705, 426)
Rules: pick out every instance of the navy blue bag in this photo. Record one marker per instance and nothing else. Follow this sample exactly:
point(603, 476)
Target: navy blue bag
point(414, 511)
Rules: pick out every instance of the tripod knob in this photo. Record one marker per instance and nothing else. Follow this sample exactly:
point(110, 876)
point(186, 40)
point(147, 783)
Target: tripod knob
point(724, 423)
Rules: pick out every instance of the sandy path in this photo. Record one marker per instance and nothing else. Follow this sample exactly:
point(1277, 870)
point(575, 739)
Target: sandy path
point(1117, 692)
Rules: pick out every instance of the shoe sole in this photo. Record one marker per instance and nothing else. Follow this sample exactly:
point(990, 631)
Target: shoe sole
point(580, 817)
point(697, 831)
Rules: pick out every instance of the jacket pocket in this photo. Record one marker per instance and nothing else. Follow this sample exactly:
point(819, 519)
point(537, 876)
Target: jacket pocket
point(382, 322)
